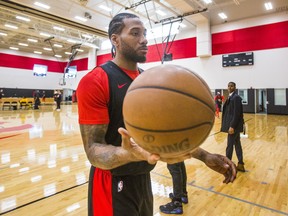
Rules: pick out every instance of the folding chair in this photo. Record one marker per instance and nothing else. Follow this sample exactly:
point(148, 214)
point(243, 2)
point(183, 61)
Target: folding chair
point(6, 104)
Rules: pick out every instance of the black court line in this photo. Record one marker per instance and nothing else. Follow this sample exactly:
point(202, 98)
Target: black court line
point(210, 189)
point(34, 201)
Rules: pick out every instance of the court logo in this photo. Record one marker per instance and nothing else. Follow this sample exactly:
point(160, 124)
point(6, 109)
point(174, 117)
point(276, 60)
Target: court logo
point(148, 138)
point(120, 186)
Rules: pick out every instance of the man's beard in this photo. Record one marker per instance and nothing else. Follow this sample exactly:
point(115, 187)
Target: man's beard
point(131, 53)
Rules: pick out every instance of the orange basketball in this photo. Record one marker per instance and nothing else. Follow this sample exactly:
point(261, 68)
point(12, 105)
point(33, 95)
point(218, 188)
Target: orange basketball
point(169, 110)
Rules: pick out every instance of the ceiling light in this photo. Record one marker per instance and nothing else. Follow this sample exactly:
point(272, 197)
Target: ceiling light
point(42, 5)
point(91, 45)
point(161, 13)
point(23, 18)
point(105, 8)
point(48, 49)
point(23, 44)
point(80, 50)
point(68, 53)
point(3, 34)
point(182, 25)
point(208, 1)
point(58, 28)
point(59, 56)
point(222, 15)
point(14, 48)
point(11, 26)
point(45, 34)
point(71, 41)
point(58, 45)
point(87, 36)
point(268, 6)
point(32, 40)
point(81, 18)
point(37, 52)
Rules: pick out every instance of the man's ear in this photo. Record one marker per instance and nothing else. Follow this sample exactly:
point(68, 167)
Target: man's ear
point(114, 40)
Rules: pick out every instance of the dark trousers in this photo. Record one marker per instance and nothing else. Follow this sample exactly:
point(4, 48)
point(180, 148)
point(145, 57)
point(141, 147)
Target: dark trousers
point(234, 140)
point(58, 104)
point(179, 179)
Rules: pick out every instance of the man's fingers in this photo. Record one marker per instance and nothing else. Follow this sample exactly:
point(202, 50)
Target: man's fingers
point(153, 158)
point(125, 138)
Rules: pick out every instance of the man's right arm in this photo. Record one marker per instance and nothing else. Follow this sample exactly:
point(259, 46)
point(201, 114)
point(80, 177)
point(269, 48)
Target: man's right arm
point(99, 153)
point(106, 156)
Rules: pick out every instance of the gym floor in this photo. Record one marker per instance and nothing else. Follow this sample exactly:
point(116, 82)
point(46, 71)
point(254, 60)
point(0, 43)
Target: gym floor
point(44, 169)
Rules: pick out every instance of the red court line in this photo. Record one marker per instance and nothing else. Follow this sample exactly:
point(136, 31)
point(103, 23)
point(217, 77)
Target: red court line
point(5, 137)
point(16, 128)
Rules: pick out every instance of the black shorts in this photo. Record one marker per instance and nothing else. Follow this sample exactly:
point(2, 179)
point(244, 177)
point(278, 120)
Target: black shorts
point(119, 195)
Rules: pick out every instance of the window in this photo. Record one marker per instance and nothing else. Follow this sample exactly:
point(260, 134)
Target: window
point(280, 97)
point(243, 93)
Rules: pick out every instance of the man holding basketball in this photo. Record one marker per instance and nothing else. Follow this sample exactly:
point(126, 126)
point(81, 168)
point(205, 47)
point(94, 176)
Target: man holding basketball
point(119, 182)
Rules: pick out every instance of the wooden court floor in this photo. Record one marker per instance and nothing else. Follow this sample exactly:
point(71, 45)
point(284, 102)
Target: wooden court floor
point(44, 170)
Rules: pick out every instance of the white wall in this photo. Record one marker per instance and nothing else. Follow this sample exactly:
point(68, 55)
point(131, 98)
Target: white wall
point(22, 78)
point(270, 70)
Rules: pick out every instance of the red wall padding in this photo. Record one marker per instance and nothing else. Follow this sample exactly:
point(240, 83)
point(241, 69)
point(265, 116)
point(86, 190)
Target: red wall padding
point(250, 39)
point(82, 64)
point(22, 62)
point(15, 61)
point(185, 48)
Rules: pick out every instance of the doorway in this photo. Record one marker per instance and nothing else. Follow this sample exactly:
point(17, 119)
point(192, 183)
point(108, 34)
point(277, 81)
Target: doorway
point(261, 99)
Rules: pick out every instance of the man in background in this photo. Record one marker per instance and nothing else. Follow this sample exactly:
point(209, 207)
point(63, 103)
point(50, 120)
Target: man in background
point(232, 123)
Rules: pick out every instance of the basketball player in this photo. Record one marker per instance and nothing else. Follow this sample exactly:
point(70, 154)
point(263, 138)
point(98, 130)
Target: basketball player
point(119, 182)
point(232, 123)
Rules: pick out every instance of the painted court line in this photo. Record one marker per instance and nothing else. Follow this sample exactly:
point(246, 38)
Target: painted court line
point(210, 189)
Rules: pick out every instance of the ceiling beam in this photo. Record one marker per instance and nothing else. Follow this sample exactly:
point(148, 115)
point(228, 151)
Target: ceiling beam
point(52, 18)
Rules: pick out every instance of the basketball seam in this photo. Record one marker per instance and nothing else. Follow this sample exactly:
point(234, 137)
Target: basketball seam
point(168, 131)
point(174, 90)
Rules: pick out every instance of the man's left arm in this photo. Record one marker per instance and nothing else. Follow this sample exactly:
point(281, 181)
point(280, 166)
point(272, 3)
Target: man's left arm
point(236, 112)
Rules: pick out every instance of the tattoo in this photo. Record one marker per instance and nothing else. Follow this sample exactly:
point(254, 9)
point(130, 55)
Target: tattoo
point(99, 153)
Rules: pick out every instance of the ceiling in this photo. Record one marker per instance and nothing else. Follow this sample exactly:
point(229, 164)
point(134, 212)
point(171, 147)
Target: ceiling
point(93, 32)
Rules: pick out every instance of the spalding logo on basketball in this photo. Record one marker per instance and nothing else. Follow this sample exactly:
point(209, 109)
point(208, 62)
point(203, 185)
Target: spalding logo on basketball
point(169, 110)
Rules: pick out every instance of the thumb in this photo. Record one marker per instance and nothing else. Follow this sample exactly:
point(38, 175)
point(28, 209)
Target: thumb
point(125, 138)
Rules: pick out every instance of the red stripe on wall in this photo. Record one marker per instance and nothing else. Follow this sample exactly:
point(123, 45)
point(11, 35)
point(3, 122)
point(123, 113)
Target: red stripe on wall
point(103, 58)
point(250, 39)
point(180, 49)
point(22, 62)
point(82, 64)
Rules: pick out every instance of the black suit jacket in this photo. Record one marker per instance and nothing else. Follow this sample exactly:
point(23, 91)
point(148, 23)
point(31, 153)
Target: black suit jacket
point(232, 115)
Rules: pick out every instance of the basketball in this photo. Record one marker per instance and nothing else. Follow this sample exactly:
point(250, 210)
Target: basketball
point(169, 110)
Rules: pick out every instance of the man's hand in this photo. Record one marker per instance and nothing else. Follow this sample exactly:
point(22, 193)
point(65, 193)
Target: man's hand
point(231, 130)
point(223, 165)
point(137, 153)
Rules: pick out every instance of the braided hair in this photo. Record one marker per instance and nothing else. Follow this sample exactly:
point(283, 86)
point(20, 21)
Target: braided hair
point(116, 26)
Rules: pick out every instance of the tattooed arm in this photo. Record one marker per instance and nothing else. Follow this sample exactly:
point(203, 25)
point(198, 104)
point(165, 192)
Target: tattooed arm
point(106, 156)
point(216, 162)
